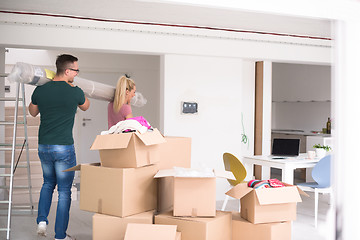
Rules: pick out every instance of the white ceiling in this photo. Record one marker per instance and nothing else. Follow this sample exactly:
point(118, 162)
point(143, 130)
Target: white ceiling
point(156, 12)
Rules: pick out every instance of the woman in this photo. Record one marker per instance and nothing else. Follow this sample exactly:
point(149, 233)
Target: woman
point(120, 108)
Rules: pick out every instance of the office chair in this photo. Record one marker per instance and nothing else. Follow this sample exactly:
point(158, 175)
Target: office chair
point(234, 165)
point(321, 173)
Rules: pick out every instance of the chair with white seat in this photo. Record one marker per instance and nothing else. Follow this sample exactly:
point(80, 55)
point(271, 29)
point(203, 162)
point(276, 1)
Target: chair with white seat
point(234, 165)
point(321, 173)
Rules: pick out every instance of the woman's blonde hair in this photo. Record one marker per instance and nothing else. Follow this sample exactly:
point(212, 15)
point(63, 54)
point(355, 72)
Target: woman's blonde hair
point(122, 85)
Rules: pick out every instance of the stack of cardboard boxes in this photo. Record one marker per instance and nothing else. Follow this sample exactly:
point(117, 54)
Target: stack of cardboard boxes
point(194, 206)
point(122, 189)
point(121, 186)
point(266, 213)
point(136, 181)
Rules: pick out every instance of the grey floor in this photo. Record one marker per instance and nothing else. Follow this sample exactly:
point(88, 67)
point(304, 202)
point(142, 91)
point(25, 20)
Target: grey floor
point(24, 227)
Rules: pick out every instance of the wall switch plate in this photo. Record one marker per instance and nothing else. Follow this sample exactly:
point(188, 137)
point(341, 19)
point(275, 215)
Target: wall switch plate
point(189, 107)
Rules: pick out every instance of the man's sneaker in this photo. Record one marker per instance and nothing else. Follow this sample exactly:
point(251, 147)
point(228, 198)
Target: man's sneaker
point(41, 229)
point(68, 237)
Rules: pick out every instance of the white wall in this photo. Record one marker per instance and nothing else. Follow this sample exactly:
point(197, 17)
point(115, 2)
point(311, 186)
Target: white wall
point(301, 96)
point(216, 84)
point(248, 107)
point(301, 82)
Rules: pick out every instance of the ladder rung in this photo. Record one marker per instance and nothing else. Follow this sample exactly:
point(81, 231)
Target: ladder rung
point(10, 145)
point(5, 149)
point(9, 99)
point(21, 206)
point(9, 122)
point(9, 166)
point(4, 201)
point(28, 209)
point(9, 148)
point(14, 187)
point(3, 229)
point(17, 207)
point(5, 175)
point(3, 212)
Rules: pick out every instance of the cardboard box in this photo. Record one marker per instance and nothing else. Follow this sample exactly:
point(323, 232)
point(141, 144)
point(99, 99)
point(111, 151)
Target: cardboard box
point(106, 227)
point(151, 232)
point(216, 228)
point(194, 196)
point(165, 196)
point(176, 152)
point(268, 204)
point(117, 191)
point(244, 230)
point(128, 150)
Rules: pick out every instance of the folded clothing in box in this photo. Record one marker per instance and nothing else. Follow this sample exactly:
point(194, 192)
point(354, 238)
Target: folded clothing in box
point(128, 150)
point(267, 205)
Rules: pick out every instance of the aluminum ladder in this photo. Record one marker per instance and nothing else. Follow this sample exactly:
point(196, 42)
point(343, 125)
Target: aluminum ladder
point(13, 166)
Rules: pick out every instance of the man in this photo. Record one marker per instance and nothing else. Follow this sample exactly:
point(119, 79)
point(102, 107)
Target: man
point(57, 102)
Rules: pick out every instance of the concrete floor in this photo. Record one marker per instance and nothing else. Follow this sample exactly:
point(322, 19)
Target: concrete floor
point(80, 226)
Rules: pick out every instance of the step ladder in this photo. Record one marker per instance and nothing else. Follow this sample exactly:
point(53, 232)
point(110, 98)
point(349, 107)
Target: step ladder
point(14, 165)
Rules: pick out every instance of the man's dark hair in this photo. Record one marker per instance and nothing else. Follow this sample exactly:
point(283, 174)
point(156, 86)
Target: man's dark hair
point(63, 62)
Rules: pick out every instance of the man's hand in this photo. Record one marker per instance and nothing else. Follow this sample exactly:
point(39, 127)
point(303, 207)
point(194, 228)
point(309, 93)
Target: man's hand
point(33, 110)
point(86, 104)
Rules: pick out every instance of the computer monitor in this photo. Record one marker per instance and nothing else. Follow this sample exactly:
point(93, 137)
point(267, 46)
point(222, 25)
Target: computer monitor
point(285, 147)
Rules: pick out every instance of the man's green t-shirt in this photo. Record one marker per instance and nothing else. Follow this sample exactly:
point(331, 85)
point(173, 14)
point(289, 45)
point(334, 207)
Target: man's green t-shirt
point(57, 102)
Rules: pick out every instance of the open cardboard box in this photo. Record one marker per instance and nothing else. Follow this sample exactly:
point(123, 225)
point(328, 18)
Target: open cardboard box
point(267, 204)
point(245, 230)
point(128, 150)
point(201, 228)
point(194, 196)
point(106, 227)
point(117, 191)
point(136, 231)
point(175, 152)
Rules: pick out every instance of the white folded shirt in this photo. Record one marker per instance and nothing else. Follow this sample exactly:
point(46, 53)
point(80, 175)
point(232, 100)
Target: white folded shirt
point(124, 125)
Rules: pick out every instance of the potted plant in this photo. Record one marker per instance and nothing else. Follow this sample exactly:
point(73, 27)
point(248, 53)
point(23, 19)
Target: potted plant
point(321, 150)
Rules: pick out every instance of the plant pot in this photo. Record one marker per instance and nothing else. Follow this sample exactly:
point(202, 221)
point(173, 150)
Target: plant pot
point(320, 152)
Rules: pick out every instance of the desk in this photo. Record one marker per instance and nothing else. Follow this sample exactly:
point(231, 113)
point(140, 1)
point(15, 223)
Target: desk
point(287, 165)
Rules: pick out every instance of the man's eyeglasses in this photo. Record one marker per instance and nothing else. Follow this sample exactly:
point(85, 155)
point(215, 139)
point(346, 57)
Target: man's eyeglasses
point(75, 70)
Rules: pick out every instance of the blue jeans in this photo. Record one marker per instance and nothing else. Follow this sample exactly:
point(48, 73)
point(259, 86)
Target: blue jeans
point(54, 159)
